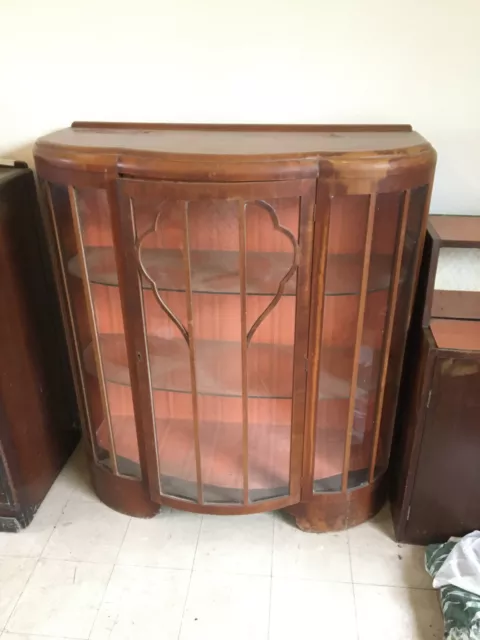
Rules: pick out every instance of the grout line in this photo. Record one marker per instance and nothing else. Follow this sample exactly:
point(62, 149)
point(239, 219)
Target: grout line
point(191, 576)
point(35, 635)
point(353, 587)
point(392, 586)
point(102, 600)
point(271, 577)
point(37, 560)
point(114, 564)
point(39, 556)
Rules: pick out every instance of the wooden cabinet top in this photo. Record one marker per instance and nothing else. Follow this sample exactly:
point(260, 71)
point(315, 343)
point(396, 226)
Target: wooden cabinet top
point(296, 150)
point(239, 140)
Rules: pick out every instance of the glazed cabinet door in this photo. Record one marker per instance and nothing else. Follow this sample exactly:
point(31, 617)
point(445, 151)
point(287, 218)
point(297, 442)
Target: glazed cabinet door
point(82, 223)
point(220, 275)
point(366, 250)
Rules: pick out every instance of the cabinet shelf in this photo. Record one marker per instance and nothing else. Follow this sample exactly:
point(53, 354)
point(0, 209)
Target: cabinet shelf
point(221, 449)
point(221, 454)
point(219, 370)
point(218, 271)
point(218, 366)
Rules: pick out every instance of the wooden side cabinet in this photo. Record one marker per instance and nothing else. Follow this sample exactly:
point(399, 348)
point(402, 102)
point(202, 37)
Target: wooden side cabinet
point(236, 299)
point(435, 475)
point(38, 418)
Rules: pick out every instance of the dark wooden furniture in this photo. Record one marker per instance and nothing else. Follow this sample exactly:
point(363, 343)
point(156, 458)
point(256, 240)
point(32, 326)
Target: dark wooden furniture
point(237, 299)
point(436, 470)
point(37, 405)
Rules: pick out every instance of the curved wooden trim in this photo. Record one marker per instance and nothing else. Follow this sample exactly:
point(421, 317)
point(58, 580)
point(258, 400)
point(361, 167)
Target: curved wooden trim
point(189, 126)
point(338, 511)
point(319, 266)
point(191, 351)
point(74, 350)
point(392, 305)
point(358, 338)
point(126, 495)
point(77, 227)
point(242, 241)
point(153, 284)
point(273, 303)
point(229, 509)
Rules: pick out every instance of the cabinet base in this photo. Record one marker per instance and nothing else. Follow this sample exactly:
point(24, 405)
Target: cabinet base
point(125, 495)
point(325, 512)
point(339, 511)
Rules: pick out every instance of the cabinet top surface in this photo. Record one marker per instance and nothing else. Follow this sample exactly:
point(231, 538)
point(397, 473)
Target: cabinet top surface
point(454, 230)
point(266, 141)
point(460, 335)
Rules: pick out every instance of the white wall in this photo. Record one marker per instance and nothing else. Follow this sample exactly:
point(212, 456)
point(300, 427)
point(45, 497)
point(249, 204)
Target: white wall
point(415, 61)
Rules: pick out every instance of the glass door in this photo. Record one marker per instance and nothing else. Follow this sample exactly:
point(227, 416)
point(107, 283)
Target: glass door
point(223, 280)
point(82, 226)
point(368, 273)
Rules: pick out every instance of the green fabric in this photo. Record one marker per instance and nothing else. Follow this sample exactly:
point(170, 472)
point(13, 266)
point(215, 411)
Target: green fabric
point(461, 609)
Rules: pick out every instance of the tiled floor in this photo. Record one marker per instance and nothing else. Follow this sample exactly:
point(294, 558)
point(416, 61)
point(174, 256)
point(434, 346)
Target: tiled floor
point(82, 570)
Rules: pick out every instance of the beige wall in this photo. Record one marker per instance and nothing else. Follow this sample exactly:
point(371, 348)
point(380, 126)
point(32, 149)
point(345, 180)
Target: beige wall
point(414, 61)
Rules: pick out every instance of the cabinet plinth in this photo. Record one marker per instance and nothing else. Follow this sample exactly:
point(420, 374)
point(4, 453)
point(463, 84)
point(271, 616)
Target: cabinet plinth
point(237, 299)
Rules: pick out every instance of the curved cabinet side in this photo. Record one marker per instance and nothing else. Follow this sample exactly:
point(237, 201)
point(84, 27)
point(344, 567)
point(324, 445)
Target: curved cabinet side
point(364, 280)
point(75, 201)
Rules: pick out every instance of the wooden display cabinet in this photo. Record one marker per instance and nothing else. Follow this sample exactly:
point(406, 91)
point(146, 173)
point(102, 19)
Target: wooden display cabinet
point(237, 299)
point(435, 488)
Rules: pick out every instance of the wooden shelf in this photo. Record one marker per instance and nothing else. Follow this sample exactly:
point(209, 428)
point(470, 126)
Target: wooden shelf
point(219, 368)
point(221, 456)
point(218, 271)
point(221, 451)
point(463, 335)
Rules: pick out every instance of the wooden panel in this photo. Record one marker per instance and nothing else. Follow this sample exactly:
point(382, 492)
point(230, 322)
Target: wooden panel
point(456, 334)
point(456, 304)
point(38, 416)
point(446, 495)
point(457, 231)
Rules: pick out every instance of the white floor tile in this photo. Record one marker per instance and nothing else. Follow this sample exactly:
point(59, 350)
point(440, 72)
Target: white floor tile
point(142, 603)
point(31, 541)
point(27, 636)
point(378, 559)
point(61, 599)
point(397, 613)
point(319, 556)
point(87, 532)
point(76, 474)
point(236, 544)
point(169, 540)
point(14, 574)
point(221, 606)
point(299, 607)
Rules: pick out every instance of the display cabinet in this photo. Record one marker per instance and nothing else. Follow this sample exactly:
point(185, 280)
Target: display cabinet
point(237, 299)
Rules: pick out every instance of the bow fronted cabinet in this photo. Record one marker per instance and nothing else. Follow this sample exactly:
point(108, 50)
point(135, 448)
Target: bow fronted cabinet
point(237, 300)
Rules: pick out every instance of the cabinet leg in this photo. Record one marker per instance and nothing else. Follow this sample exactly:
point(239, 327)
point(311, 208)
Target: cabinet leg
point(125, 495)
